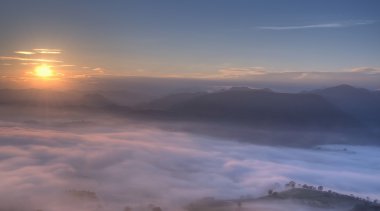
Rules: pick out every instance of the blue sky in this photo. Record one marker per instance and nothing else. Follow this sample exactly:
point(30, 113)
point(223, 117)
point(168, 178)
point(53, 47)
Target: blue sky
point(198, 36)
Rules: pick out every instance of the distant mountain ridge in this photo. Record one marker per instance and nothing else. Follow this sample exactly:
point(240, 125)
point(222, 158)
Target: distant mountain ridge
point(37, 97)
point(331, 108)
point(361, 103)
point(255, 106)
point(341, 114)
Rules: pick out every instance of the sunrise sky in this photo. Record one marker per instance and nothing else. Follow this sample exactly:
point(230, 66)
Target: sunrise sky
point(189, 105)
point(200, 38)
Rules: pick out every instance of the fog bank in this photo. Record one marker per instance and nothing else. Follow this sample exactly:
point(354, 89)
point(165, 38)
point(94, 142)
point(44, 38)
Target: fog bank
point(135, 165)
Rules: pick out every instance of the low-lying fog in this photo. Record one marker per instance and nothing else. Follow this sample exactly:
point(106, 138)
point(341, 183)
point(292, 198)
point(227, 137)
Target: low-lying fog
point(134, 165)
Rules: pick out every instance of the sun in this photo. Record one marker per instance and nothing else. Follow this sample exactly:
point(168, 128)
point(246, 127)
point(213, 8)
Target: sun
point(43, 71)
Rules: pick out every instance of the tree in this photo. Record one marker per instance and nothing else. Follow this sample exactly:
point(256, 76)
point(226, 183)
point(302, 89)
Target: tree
point(291, 184)
point(270, 192)
point(156, 209)
point(239, 202)
point(320, 188)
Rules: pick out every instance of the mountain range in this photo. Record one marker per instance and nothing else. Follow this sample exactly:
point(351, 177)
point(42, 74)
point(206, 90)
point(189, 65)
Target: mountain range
point(260, 107)
point(343, 109)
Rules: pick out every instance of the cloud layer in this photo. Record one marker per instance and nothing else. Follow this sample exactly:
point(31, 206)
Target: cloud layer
point(135, 165)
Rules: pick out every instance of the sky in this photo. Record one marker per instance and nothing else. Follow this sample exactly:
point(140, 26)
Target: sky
point(207, 38)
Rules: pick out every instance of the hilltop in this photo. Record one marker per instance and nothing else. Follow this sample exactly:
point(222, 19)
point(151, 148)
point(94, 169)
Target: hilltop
point(300, 198)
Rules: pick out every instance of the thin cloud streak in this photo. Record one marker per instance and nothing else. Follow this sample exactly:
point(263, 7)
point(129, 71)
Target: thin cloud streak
point(28, 59)
point(47, 51)
point(367, 70)
point(316, 26)
point(242, 72)
point(25, 52)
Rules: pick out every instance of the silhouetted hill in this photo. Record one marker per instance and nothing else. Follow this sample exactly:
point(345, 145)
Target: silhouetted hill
point(126, 97)
point(260, 116)
point(324, 199)
point(361, 103)
point(296, 198)
point(36, 97)
point(167, 102)
point(259, 107)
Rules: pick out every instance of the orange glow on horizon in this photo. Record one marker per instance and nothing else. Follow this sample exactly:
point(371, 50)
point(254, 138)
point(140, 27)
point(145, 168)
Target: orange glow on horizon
point(43, 71)
point(44, 77)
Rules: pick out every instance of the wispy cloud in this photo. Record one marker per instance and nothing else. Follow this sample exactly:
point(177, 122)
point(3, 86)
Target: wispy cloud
point(28, 59)
point(29, 63)
point(367, 70)
point(39, 51)
point(67, 65)
point(323, 25)
point(20, 62)
point(25, 52)
point(246, 71)
point(47, 51)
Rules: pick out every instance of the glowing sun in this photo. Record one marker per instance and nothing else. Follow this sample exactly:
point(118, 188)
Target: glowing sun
point(43, 71)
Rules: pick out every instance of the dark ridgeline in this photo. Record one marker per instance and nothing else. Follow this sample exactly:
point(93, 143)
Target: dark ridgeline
point(262, 108)
point(306, 196)
point(361, 103)
point(341, 114)
point(263, 116)
point(58, 99)
point(342, 106)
